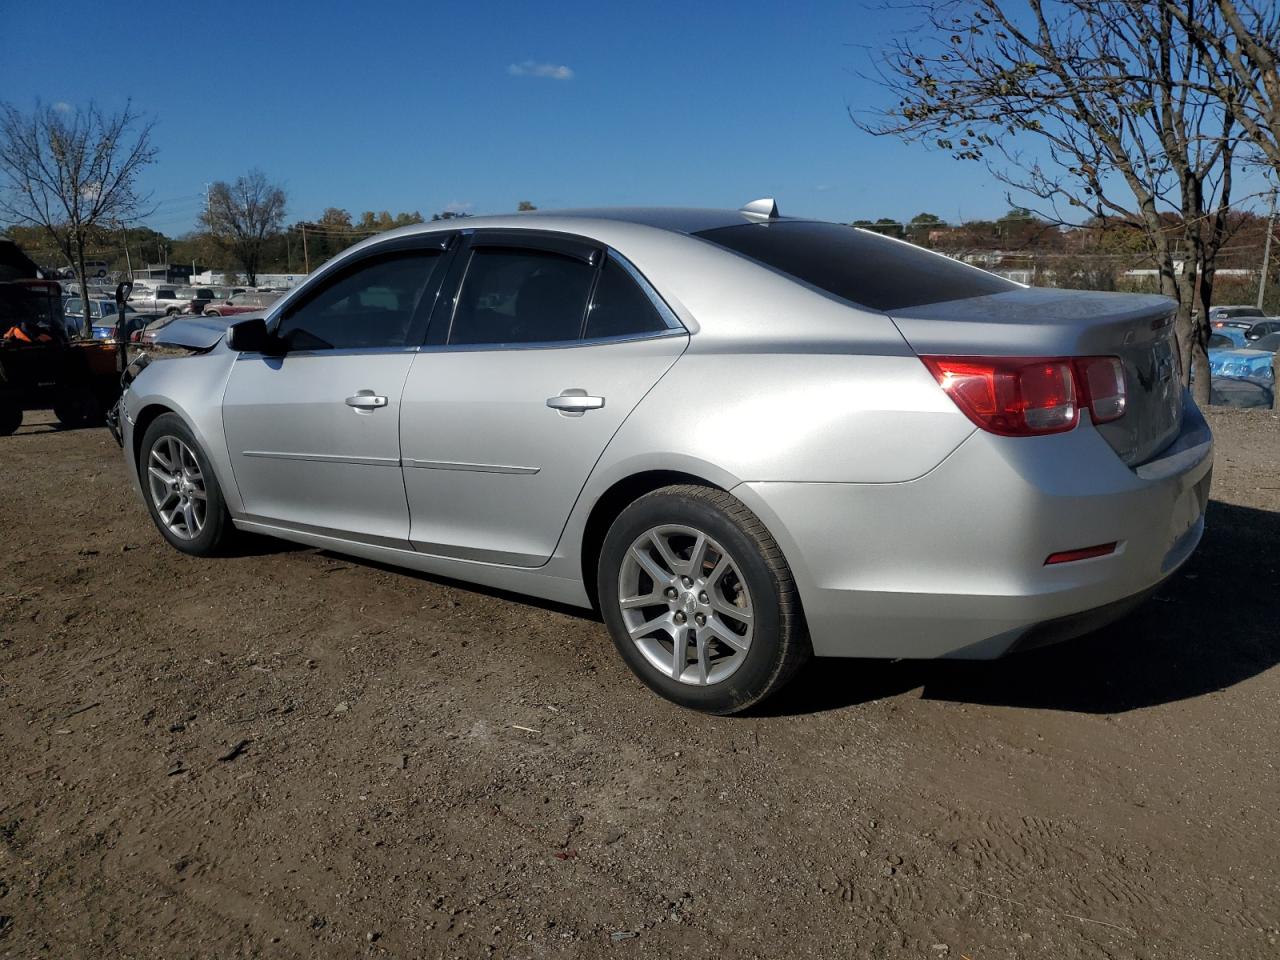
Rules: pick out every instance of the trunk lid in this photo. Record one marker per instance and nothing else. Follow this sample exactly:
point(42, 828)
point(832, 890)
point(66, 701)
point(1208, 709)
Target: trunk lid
point(1037, 322)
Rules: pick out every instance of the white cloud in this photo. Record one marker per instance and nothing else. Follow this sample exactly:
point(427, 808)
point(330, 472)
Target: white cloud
point(62, 106)
point(548, 71)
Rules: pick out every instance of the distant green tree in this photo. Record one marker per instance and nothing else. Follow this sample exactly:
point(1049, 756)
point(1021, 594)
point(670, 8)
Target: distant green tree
point(921, 225)
point(524, 206)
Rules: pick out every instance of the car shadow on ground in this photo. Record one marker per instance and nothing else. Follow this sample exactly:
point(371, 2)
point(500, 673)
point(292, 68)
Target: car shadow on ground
point(1213, 624)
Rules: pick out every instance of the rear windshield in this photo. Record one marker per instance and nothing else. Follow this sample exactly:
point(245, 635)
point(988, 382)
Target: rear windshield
point(856, 265)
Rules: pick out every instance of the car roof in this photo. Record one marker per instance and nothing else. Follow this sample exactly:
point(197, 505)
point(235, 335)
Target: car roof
point(673, 219)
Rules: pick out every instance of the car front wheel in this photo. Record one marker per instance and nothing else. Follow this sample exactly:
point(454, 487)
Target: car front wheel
point(182, 492)
point(700, 601)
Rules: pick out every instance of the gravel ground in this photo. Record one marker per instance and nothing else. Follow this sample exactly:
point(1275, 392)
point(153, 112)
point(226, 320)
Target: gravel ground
point(293, 754)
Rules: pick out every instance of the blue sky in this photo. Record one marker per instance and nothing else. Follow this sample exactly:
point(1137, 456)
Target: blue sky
point(476, 105)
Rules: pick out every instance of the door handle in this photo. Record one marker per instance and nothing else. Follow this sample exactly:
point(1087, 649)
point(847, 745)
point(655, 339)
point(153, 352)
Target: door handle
point(366, 400)
point(574, 402)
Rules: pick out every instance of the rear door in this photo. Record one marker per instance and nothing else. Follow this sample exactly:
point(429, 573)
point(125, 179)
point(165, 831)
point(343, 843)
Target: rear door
point(529, 371)
point(314, 435)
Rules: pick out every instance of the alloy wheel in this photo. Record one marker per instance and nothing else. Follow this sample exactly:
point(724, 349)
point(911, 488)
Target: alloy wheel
point(177, 487)
point(685, 604)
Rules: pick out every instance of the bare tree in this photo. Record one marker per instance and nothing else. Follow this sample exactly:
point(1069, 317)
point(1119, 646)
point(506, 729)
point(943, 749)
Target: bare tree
point(242, 216)
point(72, 173)
point(1238, 43)
point(1098, 108)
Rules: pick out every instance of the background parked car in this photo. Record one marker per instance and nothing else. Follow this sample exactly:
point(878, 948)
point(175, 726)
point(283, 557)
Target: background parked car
point(100, 310)
point(241, 303)
point(1269, 343)
point(1262, 328)
point(164, 299)
point(1232, 330)
point(1234, 312)
point(207, 295)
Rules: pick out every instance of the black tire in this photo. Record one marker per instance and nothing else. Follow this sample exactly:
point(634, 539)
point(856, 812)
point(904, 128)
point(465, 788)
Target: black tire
point(780, 642)
point(10, 417)
point(78, 408)
point(218, 530)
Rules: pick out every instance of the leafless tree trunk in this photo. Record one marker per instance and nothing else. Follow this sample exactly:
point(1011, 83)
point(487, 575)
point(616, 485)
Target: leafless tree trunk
point(1238, 43)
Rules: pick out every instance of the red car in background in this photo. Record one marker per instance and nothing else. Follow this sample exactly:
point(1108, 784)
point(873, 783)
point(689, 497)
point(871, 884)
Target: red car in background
point(248, 302)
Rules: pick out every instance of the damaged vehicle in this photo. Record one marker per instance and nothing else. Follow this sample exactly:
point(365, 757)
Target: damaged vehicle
point(746, 439)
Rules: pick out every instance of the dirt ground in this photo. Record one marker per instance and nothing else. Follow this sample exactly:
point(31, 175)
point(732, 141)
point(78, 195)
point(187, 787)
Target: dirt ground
point(295, 754)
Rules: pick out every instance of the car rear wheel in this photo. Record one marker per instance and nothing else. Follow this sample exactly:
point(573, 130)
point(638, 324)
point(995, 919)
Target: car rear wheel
point(182, 492)
point(700, 601)
point(212, 313)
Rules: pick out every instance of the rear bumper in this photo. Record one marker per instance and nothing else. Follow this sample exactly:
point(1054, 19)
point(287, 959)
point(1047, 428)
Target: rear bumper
point(952, 564)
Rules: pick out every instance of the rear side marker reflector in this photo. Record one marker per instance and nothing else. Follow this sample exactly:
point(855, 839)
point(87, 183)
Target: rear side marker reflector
point(1084, 553)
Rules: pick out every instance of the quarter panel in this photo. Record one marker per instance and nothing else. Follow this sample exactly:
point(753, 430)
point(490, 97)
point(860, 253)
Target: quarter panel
point(804, 417)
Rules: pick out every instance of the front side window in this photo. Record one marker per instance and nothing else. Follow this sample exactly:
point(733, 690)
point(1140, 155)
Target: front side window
point(514, 295)
point(619, 308)
point(369, 305)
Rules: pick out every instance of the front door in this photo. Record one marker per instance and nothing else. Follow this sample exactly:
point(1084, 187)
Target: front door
point(313, 434)
point(547, 352)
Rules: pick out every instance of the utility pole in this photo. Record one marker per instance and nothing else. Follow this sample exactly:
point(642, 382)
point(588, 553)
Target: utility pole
point(1266, 250)
point(128, 261)
point(306, 257)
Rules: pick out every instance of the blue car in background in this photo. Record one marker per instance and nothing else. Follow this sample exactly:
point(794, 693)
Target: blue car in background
point(1236, 334)
point(1244, 377)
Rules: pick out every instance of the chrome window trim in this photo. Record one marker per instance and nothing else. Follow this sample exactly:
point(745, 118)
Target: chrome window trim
point(551, 344)
point(341, 352)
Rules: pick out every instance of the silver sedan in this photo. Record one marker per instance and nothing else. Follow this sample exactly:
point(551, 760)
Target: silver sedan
point(745, 439)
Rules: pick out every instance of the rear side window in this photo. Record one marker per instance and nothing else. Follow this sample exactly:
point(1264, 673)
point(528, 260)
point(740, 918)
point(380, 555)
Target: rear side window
point(521, 296)
point(620, 308)
point(857, 266)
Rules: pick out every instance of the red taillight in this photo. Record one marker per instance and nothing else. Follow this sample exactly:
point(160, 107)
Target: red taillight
point(1024, 397)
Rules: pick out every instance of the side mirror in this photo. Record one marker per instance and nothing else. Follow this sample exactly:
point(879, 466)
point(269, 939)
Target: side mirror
point(252, 336)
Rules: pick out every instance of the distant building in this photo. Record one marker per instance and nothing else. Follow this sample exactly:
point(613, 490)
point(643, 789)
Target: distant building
point(218, 278)
point(165, 272)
